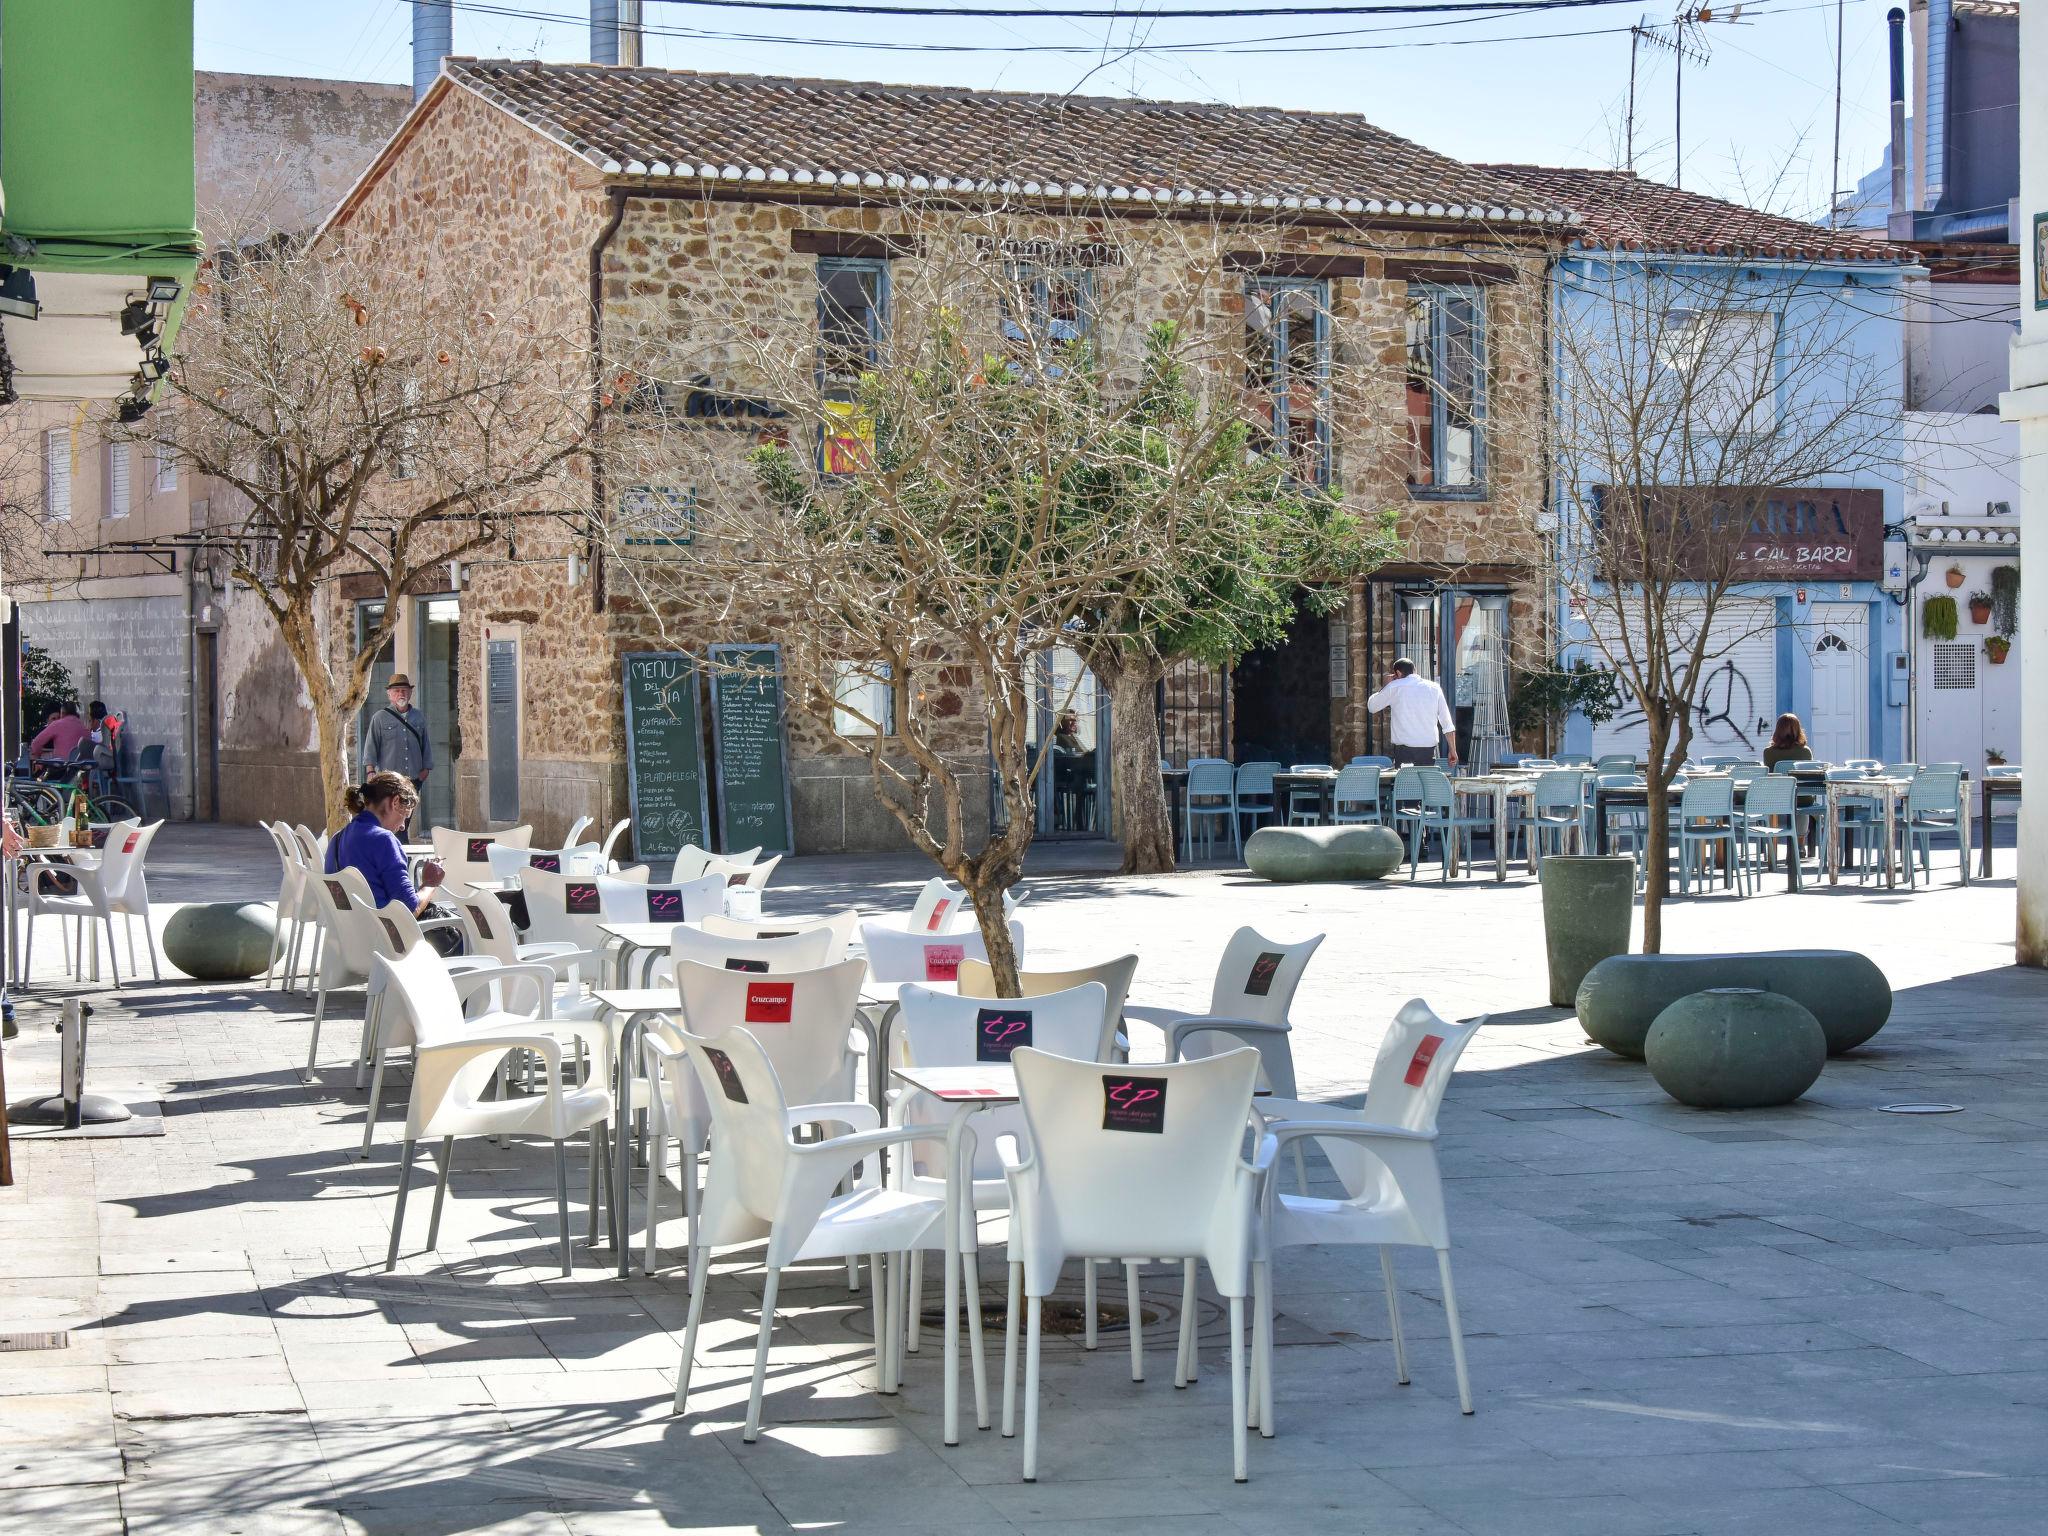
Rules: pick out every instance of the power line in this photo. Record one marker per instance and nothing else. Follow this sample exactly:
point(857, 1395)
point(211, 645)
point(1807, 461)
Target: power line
point(1232, 13)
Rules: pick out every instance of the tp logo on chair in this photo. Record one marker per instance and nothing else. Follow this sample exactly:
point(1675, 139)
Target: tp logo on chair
point(1134, 1104)
point(1264, 969)
point(999, 1031)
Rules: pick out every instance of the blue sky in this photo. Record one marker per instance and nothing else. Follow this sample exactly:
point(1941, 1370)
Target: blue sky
point(1759, 113)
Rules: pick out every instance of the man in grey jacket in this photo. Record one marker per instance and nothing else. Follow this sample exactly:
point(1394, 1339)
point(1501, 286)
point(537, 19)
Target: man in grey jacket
point(394, 738)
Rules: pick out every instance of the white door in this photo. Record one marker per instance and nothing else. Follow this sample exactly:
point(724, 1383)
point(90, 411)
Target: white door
point(1838, 652)
point(1736, 693)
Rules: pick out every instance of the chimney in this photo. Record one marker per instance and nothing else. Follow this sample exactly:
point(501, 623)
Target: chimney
point(1895, 23)
point(615, 32)
point(433, 39)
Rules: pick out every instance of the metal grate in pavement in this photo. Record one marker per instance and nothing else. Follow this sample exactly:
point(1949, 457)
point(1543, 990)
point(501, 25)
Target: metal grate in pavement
point(11, 1343)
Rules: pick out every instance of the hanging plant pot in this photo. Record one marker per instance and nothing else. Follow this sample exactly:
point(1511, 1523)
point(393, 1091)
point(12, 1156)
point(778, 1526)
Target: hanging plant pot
point(1980, 609)
point(1938, 618)
point(1955, 576)
point(1995, 649)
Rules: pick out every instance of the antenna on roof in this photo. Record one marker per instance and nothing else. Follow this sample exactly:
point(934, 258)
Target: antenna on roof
point(1684, 40)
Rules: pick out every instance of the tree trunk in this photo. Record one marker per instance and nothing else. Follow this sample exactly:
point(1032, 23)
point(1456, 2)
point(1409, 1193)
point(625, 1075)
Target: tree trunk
point(334, 774)
point(1144, 824)
point(1003, 961)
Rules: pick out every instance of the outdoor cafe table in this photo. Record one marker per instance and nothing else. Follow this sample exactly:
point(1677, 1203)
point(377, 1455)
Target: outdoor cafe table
point(1888, 792)
point(2005, 785)
point(965, 1092)
point(624, 1011)
point(1501, 788)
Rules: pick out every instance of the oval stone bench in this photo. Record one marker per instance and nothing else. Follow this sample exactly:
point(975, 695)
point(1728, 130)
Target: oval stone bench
point(220, 940)
point(1324, 853)
point(1622, 995)
point(1735, 1048)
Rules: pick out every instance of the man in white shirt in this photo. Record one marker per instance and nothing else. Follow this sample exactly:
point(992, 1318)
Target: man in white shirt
point(1416, 710)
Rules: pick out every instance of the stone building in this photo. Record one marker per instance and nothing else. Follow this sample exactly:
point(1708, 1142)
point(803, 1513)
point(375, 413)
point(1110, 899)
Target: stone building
point(140, 622)
point(1392, 297)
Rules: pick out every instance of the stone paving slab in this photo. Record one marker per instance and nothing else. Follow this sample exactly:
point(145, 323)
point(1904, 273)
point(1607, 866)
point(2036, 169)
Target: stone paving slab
point(1817, 1318)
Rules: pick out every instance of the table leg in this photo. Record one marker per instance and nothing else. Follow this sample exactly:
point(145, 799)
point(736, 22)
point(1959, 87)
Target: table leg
point(1984, 865)
point(1599, 822)
point(1500, 836)
point(955, 1175)
point(622, 1141)
point(1891, 802)
point(1830, 835)
point(1962, 833)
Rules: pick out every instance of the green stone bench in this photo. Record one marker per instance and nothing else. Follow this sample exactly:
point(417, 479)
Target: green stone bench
point(1358, 852)
point(221, 940)
point(1622, 995)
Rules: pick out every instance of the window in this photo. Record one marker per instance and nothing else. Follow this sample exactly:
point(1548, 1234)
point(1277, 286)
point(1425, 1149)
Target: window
point(115, 494)
point(1287, 372)
point(406, 436)
point(864, 699)
point(1046, 308)
point(1724, 367)
point(1446, 391)
point(166, 468)
point(852, 302)
point(57, 473)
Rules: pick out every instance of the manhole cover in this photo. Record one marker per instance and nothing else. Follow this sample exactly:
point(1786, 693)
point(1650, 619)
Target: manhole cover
point(15, 1342)
point(1920, 1109)
point(1059, 1316)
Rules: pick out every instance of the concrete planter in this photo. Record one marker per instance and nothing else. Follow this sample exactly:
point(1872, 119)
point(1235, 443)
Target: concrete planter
point(220, 940)
point(1620, 998)
point(1735, 1048)
point(1323, 853)
point(1587, 900)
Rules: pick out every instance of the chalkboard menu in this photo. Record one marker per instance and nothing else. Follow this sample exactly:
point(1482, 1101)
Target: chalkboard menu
point(664, 753)
point(747, 744)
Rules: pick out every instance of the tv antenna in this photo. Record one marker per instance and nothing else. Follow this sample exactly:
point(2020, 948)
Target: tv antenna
point(1684, 38)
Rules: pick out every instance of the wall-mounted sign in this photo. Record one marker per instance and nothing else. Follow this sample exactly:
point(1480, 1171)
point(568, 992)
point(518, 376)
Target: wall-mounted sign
point(1819, 532)
point(657, 514)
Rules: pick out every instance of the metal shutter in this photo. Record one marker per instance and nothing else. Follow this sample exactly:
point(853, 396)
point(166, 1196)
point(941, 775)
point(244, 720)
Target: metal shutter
point(1737, 701)
point(117, 480)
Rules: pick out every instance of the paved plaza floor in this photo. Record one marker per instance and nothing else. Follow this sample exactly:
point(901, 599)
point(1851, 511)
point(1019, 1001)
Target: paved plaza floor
point(1819, 1319)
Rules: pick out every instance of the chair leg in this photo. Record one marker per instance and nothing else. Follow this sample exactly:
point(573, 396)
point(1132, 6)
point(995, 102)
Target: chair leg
point(1262, 1345)
point(113, 956)
point(700, 1280)
point(319, 1013)
point(657, 1154)
point(1300, 1169)
point(1394, 1317)
point(1237, 1392)
point(398, 1215)
point(977, 1347)
point(447, 1161)
point(1031, 1328)
point(913, 1339)
point(1443, 1267)
point(372, 1020)
point(561, 1203)
point(893, 1317)
point(1010, 1354)
point(149, 943)
point(376, 1099)
point(1137, 1321)
point(752, 1432)
point(878, 1291)
point(1181, 1355)
point(128, 927)
point(1089, 1304)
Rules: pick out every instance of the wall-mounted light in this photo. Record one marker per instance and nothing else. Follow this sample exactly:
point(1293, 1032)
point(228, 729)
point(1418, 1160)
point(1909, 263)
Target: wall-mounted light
point(163, 290)
point(134, 316)
point(155, 366)
point(18, 294)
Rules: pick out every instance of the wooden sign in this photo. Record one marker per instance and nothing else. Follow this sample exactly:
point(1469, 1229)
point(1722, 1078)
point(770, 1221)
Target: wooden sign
point(749, 748)
point(664, 752)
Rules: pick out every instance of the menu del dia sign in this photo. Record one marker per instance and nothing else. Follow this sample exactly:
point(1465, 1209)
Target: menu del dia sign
point(664, 752)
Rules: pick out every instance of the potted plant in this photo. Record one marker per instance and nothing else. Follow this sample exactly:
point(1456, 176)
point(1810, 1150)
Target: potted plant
point(1995, 648)
point(2005, 600)
point(1993, 758)
point(1980, 607)
point(1955, 576)
point(1938, 618)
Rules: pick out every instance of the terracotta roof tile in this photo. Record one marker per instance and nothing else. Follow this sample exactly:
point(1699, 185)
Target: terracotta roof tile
point(757, 128)
point(1621, 209)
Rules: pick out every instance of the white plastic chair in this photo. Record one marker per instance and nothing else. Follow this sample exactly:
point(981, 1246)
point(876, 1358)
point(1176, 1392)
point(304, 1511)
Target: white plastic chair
point(348, 942)
point(799, 952)
point(635, 901)
point(465, 856)
point(764, 1183)
point(1114, 976)
point(897, 955)
point(108, 882)
point(841, 925)
point(691, 861)
point(801, 1018)
point(1127, 1161)
point(576, 830)
point(293, 899)
point(566, 908)
point(607, 853)
point(457, 1060)
point(747, 871)
point(303, 957)
point(941, 907)
point(1385, 1157)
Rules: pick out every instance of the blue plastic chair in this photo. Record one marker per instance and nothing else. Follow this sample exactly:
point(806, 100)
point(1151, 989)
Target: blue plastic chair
point(149, 775)
point(1770, 815)
point(1706, 816)
point(1305, 805)
point(1574, 760)
point(1557, 813)
point(1356, 796)
point(1933, 805)
point(1615, 762)
point(1253, 791)
point(1369, 761)
point(1212, 796)
point(1855, 820)
point(1439, 813)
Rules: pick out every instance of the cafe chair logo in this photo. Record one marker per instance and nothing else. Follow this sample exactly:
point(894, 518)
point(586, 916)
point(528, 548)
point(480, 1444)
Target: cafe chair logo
point(999, 1031)
point(665, 906)
point(770, 1002)
point(480, 850)
point(1134, 1104)
point(728, 1074)
point(1264, 969)
point(735, 963)
point(580, 897)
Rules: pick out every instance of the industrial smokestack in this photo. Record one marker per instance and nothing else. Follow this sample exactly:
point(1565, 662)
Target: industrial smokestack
point(615, 32)
point(433, 39)
point(1895, 23)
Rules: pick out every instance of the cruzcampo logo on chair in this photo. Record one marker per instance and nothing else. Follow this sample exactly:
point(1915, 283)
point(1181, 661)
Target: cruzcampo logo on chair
point(770, 1002)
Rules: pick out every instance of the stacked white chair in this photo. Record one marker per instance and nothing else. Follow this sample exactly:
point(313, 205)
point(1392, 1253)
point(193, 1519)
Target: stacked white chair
point(692, 861)
point(465, 856)
point(107, 884)
point(457, 1061)
point(1122, 1160)
point(1385, 1157)
point(895, 954)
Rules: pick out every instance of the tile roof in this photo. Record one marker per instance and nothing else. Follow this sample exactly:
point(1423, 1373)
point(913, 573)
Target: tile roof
point(1621, 209)
point(671, 124)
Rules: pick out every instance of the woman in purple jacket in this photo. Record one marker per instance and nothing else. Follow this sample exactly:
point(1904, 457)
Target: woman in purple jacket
point(369, 843)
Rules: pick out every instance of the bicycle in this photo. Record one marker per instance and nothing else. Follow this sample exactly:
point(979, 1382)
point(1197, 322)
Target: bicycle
point(42, 803)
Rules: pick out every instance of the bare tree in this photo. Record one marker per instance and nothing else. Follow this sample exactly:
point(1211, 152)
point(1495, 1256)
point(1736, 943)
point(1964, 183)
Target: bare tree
point(1043, 445)
point(369, 426)
point(1692, 397)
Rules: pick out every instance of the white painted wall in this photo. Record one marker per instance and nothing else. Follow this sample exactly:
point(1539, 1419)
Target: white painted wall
point(1958, 336)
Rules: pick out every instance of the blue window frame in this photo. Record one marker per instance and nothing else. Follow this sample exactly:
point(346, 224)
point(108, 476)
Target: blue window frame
point(853, 313)
point(1287, 372)
point(1446, 392)
point(1058, 304)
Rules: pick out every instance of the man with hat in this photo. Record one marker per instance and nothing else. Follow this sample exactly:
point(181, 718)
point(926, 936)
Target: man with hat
point(394, 738)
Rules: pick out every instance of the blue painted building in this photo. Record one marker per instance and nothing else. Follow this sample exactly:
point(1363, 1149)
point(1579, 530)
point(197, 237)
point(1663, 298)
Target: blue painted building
point(1805, 327)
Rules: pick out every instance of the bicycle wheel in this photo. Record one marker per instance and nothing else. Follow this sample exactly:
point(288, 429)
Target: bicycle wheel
point(38, 803)
point(113, 809)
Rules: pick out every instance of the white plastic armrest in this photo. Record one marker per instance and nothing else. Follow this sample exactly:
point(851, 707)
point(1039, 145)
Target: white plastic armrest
point(1009, 1151)
point(1196, 1024)
point(468, 984)
point(857, 1114)
point(1279, 1131)
point(426, 923)
point(546, 1047)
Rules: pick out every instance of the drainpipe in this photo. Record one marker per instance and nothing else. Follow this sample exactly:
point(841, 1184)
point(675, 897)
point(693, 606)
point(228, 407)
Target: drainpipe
point(597, 477)
point(189, 651)
point(1900, 221)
